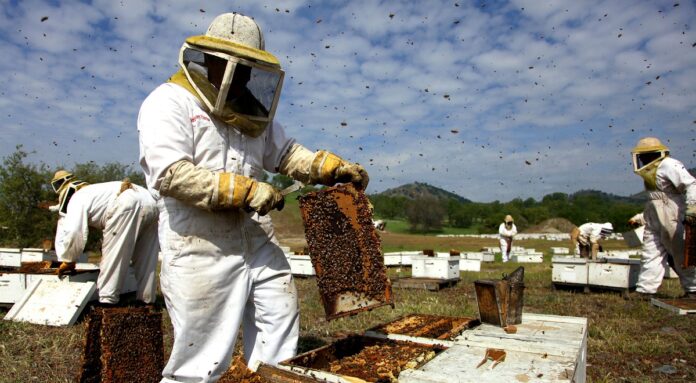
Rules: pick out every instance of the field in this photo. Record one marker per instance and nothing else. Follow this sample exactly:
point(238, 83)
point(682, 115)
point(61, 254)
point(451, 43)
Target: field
point(629, 340)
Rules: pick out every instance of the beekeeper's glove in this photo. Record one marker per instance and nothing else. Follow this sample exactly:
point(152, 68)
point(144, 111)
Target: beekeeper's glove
point(66, 268)
point(322, 168)
point(690, 216)
point(217, 190)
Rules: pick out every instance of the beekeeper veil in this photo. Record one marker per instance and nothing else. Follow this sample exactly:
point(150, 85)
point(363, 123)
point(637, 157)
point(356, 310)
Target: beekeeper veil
point(647, 156)
point(232, 75)
point(65, 185)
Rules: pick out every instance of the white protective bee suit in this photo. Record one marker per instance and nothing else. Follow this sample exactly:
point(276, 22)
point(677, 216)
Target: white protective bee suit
point(506, 236)
point(664, 230)
point(128, 221)
point(222, 265)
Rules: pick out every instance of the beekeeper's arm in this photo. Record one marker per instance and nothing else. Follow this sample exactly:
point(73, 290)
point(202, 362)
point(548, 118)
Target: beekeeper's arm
point(686, 184)
point(166, 134)
point(72, 232)
point(321, 167)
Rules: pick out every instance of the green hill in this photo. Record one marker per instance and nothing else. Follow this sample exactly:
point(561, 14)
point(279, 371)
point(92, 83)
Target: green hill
point(418, 190)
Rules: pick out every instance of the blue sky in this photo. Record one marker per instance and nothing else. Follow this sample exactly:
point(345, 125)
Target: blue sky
point(490, 100)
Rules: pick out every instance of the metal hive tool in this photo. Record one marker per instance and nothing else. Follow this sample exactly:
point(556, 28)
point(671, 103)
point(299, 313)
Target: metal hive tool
point(345, 251)
point(123, 344)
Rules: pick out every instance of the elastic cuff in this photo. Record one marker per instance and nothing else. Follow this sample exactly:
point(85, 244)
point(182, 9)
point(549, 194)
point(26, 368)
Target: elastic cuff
point(323, 167)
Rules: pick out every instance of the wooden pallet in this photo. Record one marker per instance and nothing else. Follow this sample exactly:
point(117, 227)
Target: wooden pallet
point(430, 284)
point(679, 306)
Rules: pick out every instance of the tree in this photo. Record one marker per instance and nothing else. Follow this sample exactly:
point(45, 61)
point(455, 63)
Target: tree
point(22, 188)
point(425, 214)
point(112, 171)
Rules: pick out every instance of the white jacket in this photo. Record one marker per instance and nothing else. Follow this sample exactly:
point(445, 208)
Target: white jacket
point(505, 233)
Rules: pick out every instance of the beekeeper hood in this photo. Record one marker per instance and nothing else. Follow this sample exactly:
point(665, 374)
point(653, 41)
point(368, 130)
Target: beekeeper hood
point(508, 220)
point(647, 156)
point(65, 185)
point(606, 229)
point(232, 75)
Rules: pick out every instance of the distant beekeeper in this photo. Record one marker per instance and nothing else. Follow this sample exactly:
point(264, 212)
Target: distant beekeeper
point(672, 199)
point(507, 231)
point(206, 138)
point(585, 238)
point(126, 214)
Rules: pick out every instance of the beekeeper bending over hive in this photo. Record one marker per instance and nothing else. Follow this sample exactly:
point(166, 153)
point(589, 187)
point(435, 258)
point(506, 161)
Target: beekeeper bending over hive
point(672, 198)
point(507, 231)
point(206, 138)
point(127, 216)
point(585, 238)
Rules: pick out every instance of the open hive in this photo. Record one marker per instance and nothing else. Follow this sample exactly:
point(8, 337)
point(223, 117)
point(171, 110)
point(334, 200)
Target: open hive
point(345, 251)
point(369, 359)
point(427, 326)
point(240, 373)
point(123, 344)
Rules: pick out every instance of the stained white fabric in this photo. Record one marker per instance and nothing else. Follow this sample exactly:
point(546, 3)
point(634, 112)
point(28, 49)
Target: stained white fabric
point(129, 227)
point(590, 233)
point(506, 237)
point(220, 269)
point(664, 230)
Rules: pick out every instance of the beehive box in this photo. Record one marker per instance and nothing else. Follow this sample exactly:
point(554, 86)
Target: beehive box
point(38, 255)
point(480, 256)
point(435, 267)
point(361, 358)
point(614, 273)
point(406, 257)
point(560, 250)
point(123, 344)
point(301, 265)
point(569, 270)
point(345, 251)
point(392, 259)
point(12, 287)
point(527, 258)
point(546, 336)
point(10, 257)
point(469, 265)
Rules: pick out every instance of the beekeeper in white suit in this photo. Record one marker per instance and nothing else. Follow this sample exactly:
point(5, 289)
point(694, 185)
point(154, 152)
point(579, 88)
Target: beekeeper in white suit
point(206, 138)
point(506, 231)
point(672, 198)
point(127, 216)
point(585, 238)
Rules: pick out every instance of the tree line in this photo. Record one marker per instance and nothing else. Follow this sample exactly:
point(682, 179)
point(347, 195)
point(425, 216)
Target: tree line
point(430, 214)
point(25, 192)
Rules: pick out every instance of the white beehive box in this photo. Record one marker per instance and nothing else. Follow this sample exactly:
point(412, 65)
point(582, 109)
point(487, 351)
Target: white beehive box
point(38, 255)
point(392, 259)
point(560, 250)
point(530, 251)
point(481, 256)
point(433, 267)
point(12, 287)
point(545, 348)
point(407, 255)
point(10, 257)
point(469, 265)
point(614, 273)
point(301, 265)
point(569, 270)
point(489, 249)
point(517, 249)
point(527, 258)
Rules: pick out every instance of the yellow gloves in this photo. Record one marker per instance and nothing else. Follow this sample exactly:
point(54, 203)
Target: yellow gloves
point(322, 167)
point(258, 196)
point(66, 268)
point(218, 191)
